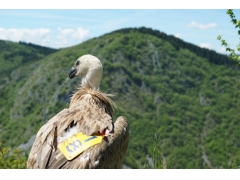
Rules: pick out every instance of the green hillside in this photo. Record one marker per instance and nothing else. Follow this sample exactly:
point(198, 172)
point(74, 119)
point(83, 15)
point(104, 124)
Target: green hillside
point(14, 54)
point(160, 82)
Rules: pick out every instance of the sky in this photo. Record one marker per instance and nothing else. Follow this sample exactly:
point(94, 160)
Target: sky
point(71, 25)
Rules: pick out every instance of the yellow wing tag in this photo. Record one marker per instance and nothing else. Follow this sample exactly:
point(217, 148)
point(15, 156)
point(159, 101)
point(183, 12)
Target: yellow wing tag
point(77, 144)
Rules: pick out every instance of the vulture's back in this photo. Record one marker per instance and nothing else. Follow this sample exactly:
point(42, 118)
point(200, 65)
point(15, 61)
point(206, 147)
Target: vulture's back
point(89, 112)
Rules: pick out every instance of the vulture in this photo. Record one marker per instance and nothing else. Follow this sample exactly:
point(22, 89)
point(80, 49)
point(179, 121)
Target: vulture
point(82, 136)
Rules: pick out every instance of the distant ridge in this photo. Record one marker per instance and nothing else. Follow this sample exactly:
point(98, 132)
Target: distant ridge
point(41, 49)
point(13, 55)
point(211, 55)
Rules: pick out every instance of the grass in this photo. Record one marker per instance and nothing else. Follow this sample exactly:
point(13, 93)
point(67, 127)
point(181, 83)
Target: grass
point(155, 159)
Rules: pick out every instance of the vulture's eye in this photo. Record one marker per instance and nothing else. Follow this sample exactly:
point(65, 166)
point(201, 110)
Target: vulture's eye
point(77, 63)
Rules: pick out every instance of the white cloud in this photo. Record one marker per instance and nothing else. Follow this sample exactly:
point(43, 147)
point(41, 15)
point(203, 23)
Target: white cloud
point(222, 50)
point(193, 24)
point(206, 45)
point(69, 37)
point(177, 35)
point(45, 37)
point(39, 36)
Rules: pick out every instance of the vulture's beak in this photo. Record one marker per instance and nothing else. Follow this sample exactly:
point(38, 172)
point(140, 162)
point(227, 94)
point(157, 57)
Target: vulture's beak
point(72, 73)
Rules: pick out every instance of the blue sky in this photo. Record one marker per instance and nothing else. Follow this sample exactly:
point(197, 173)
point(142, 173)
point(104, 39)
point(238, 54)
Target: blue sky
point(59, 28)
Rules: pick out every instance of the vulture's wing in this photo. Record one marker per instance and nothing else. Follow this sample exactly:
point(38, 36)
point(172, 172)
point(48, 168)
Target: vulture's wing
point(108, 154)
point(88, 117)
point(45, 143)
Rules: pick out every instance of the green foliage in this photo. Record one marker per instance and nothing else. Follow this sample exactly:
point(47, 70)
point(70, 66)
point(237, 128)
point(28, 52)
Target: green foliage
point(155, 159)
point(40, 49)
point(12, 158)
point(13, 54)
point(233, 56)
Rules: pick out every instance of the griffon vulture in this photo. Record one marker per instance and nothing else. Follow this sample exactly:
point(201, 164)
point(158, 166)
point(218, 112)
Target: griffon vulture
point(62, 142)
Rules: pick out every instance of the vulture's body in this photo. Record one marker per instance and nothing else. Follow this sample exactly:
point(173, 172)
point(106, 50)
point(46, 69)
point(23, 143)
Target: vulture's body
point(90, 112)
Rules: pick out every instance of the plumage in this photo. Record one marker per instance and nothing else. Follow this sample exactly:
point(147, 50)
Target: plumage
point(90, 112)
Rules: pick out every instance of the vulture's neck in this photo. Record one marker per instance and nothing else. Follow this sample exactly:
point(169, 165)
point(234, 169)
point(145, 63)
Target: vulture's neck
point(90, 84)
point(92, 80)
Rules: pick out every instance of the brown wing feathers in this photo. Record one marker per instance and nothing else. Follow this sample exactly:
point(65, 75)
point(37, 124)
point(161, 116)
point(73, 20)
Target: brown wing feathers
point(90, 111)
point(108, 154)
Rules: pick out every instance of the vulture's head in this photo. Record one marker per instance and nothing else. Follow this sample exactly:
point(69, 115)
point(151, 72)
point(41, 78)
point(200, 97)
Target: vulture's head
point(90, 69)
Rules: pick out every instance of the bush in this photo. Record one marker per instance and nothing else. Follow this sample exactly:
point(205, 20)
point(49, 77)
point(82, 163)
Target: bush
point(12, 158)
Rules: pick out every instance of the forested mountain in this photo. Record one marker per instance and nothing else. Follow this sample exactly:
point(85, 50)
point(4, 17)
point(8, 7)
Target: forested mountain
point(14, 54)
point(161, 82)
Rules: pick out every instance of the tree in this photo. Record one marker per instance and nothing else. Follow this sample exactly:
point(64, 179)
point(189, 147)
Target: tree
point(233, 55)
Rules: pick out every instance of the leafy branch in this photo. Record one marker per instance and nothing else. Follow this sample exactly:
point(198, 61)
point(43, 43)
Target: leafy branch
point(233, 55)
